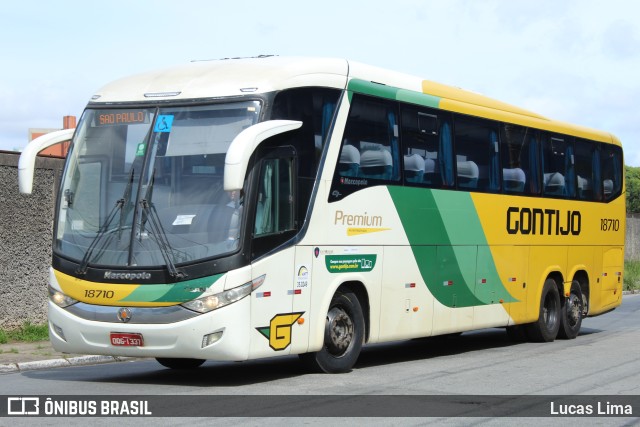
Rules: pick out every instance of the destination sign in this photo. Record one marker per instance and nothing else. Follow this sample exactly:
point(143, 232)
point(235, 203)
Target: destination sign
point(121, 117)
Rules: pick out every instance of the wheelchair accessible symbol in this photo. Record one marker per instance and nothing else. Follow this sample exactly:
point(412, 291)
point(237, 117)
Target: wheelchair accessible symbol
point(163, 123)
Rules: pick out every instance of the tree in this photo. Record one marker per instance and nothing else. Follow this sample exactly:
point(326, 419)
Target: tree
point(632, 176)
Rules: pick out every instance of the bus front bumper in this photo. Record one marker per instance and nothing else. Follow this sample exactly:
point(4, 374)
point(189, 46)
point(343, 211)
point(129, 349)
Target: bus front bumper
point(190, 338)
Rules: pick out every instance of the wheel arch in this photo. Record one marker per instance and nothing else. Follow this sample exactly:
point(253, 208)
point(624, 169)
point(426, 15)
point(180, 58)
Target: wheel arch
point(559, 279)
point(360, 291)
point(582, 277)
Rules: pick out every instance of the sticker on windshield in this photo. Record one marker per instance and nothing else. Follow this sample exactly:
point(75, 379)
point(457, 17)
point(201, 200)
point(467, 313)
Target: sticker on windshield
point(141, 149)
point(183, 220)
point(164, 123)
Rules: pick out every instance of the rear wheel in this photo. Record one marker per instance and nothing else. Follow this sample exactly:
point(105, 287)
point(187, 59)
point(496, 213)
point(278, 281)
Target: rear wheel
point(545, 329)
point(176, 363)
point(343, 336)
point(571, 318)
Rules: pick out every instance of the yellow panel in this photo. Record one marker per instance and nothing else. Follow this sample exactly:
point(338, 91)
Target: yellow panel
point(613, 268)
point(512, 265)
point(466, 97)
point(543, 260)
point(465, 102)
point(539, 221)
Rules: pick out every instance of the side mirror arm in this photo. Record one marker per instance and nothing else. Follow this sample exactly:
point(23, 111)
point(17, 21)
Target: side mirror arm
point(26, 164)
point(243, 146)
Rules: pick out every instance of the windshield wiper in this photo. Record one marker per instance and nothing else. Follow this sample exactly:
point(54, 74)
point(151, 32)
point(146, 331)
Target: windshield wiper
point(119, 206)
point(149, 213)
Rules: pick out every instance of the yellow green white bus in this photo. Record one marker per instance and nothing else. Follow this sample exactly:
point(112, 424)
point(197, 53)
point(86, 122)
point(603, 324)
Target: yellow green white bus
point(247, 208)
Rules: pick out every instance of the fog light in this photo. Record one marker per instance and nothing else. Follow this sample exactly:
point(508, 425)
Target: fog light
point(209, 339)
point(59, 332)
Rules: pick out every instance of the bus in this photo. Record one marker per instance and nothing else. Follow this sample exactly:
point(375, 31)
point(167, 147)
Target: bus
point(247, 208)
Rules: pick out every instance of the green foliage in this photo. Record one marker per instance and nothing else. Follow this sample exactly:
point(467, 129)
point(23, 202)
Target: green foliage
point(632, 176)
point(631, 275)
point(27, 333)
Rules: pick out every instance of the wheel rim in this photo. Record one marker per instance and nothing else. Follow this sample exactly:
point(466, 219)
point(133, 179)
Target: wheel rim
point(574, 310)
point(550, 311)
point(339, 331)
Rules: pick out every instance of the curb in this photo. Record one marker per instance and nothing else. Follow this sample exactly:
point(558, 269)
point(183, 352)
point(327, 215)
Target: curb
point(58, 363)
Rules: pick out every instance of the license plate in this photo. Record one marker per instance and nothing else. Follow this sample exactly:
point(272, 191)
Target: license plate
point(126, 340)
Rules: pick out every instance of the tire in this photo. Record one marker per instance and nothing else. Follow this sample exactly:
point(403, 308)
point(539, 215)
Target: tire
point(572, 308)
point(176, 363)
point(343, 336)
point(545, 329)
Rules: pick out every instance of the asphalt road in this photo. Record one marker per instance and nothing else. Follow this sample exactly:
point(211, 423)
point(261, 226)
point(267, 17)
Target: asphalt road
point(603, 360)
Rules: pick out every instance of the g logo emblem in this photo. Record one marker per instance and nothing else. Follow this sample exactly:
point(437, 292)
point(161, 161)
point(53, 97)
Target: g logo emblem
point(279, 330)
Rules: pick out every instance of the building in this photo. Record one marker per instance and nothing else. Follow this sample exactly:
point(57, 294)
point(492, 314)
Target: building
point(58, 150)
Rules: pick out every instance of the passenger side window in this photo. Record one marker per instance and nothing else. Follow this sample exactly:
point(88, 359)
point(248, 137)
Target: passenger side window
point(370, 148)
point(315, 108)
point(477, 154)
point(275, 205)
point(428, 151)
point(520, 163)
point(558, 166)
point(586, 161)
point(611, 164)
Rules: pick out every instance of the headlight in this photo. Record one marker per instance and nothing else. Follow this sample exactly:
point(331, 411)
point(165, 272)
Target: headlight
point(60, 299)
point(213, 302)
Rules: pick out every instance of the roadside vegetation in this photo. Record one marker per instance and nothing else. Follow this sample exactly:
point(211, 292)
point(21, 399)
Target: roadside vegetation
point(28, 332)
point(631, 276)
point(632, 177)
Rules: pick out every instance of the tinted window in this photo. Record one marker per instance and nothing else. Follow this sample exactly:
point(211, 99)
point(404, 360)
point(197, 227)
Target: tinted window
point(370, 148)
point(520, 160)
point(586, 162)
point(315, 108)
point(274, 209)
point(558, 166)
point(611, 161)
point(427, 147)
point(477, 154)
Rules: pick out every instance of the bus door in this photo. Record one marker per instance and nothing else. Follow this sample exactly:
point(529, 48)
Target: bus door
point(273, 318)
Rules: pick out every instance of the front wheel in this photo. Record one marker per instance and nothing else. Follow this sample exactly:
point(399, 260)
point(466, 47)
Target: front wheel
point(545, 329)
point(571, 318)
point(343, 336)
point(177, 363)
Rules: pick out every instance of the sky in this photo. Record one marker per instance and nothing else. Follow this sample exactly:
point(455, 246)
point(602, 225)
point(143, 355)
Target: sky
point(571, 60)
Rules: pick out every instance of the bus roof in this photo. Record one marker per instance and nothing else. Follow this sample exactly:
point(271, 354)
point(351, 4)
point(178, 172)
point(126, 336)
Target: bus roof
point(243, 76)
point(226, 77)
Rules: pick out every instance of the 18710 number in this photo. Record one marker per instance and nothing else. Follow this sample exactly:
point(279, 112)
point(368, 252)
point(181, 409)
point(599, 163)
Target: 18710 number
point(609, 224)
point(98, 293)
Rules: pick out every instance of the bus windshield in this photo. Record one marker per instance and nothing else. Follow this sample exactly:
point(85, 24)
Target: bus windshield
point(144, 186)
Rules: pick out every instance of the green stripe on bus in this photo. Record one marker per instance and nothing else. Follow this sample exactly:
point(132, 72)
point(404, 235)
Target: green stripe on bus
point(418, 98)
point(374, 89)
point(449, 246)
point(390, 92)
point(179, 292)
